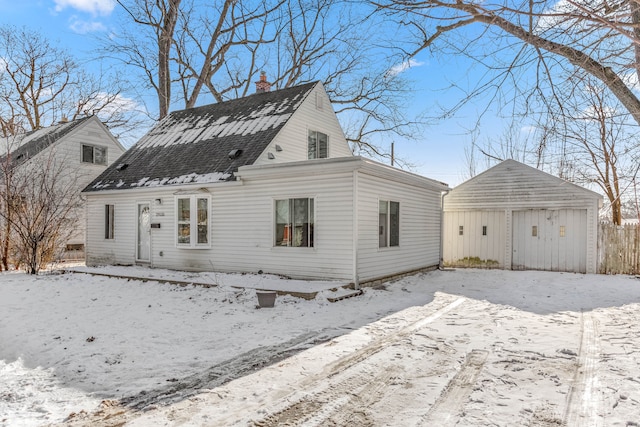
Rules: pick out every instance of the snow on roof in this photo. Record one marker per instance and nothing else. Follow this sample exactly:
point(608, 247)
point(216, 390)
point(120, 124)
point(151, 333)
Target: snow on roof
point(31, 143)
point(194, 145)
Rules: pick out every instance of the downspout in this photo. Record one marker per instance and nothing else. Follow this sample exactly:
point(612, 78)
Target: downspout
point(441, 263)
point(354, 232)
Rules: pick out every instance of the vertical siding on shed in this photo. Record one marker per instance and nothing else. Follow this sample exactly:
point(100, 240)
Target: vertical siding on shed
point(512, 186)
point(462, 249)
point(548, 250)
point(419, 228)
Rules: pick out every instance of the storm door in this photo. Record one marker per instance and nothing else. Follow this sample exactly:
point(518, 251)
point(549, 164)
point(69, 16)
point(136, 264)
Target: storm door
point(143, 247)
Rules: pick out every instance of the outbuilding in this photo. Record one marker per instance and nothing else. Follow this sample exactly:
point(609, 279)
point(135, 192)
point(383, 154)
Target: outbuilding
point(517, 217)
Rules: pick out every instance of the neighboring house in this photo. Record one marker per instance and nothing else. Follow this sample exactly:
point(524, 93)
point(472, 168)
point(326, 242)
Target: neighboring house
point(513, 216)
point(262, 183)
point(84, 147)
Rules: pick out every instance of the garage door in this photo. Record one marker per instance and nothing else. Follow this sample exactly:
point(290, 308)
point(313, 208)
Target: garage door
point(553, 240)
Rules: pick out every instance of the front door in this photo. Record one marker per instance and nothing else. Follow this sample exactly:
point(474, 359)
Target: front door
point(143, 251)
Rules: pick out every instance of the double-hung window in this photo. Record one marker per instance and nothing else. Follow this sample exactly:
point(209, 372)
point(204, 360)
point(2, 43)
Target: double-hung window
point(94, 154)
point(192, 217)
point(389, 224)
point(109, 214)
point(318, 145)
point(294, 222)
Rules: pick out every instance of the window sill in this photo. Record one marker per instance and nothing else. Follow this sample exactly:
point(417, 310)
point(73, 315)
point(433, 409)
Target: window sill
point(193, 247)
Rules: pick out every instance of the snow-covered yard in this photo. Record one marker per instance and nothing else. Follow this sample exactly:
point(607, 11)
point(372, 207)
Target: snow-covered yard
point(464, 347)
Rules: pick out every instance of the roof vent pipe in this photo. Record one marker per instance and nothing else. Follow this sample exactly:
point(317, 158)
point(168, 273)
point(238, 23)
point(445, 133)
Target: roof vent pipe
point(235, 153)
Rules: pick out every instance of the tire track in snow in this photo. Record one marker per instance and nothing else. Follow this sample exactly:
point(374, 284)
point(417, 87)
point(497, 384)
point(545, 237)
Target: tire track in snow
point(446, 410)
point(584, 402)
point(340, 404)
point(345, 403)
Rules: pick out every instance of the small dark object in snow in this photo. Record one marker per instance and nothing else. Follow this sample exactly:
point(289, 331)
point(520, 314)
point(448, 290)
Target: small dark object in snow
point(259, 271)
point(172, 380)
point(91, 339)
point(623, 397)
point(568, 352)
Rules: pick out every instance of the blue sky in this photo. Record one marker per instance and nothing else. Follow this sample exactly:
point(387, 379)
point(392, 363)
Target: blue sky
point(439, 154)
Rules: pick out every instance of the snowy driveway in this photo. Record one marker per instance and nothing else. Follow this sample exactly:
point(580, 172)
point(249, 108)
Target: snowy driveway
point(467, 348)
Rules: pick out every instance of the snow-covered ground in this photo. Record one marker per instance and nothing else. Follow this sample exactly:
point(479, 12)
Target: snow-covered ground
point(464, 347)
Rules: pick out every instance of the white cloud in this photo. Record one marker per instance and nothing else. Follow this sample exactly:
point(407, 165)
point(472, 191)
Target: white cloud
point(399, 68)
point(631, 79)
point(83, 27)
point(119, 104)
point(95, 7)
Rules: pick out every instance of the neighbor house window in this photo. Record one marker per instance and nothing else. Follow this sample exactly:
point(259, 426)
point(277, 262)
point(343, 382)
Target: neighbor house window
point(93, 154)
point(460, 230)
point(108, 221)
point(317, 148)
point(192, 216)
point(294, 222)
point(534, 231)
point(562, 231)
point(388, 224)
point(484, 230)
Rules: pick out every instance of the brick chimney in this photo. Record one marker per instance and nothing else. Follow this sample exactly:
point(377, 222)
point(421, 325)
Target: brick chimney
point(263, 85)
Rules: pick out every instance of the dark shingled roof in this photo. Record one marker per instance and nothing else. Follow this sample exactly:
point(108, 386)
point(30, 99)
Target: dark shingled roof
point(193, 145)
point(35, 141)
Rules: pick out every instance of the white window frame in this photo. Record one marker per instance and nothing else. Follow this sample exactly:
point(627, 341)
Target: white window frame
point(311, 227)
point(93, 154)
point(387, 226)
point(192, 222)
point(317, 147)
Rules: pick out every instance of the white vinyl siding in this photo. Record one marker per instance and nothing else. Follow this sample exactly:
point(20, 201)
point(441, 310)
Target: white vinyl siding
point(292, 139)
point(244, 228)
point(419, 229)
point(68, 150)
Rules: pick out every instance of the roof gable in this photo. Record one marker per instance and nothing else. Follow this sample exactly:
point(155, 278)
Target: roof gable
point(196, 144)
point(30, 144)
point(514, 182)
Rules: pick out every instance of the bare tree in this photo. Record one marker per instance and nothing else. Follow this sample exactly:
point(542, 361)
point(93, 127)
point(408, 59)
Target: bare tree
point(217, 52)
point(40, 208)
point(569, 68)
point(596, 144)
point(40, 84)
point(544, 36)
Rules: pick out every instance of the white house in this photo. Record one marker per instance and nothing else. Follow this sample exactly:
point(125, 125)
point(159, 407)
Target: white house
point(513, 216)
point(262, 183)
point(84, 147)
